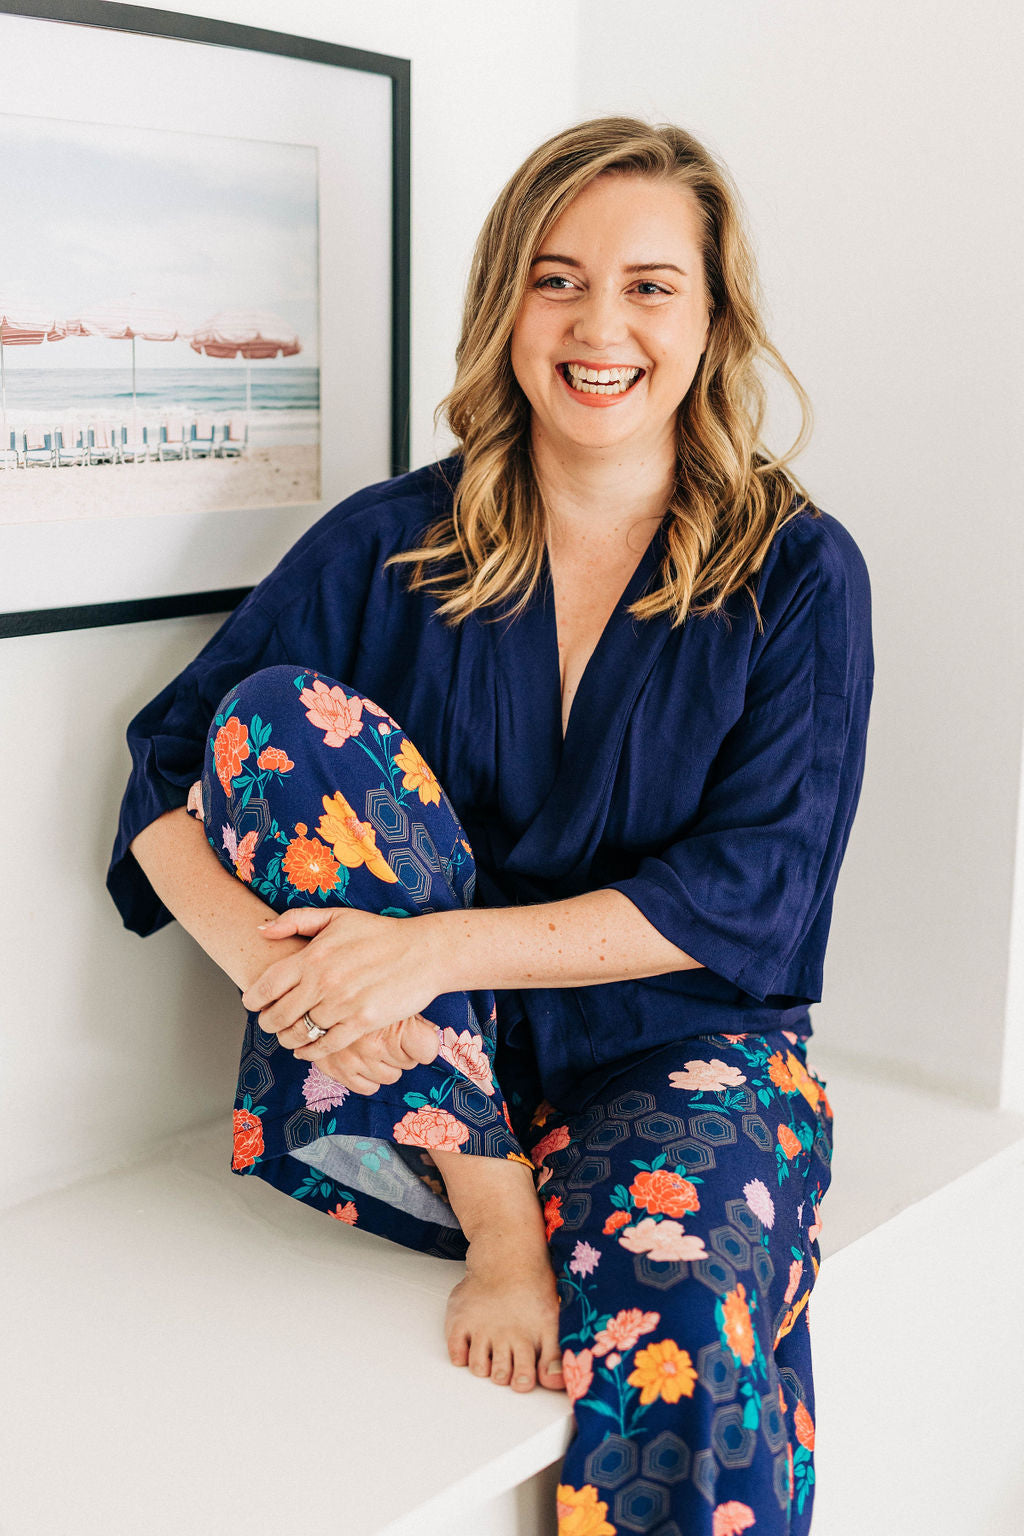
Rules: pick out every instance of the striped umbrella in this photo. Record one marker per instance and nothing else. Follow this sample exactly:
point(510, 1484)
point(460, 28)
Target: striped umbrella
point(128, 321)
point(22, 325)
point(248, 333)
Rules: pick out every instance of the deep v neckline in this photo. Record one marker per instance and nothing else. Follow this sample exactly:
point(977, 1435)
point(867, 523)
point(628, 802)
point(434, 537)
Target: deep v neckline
point(617, 619)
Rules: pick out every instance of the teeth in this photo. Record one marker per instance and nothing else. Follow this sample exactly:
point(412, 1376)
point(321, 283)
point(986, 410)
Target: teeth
point(603, 381)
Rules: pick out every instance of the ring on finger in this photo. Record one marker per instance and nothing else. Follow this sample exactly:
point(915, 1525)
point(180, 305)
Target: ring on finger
point(312, 1030)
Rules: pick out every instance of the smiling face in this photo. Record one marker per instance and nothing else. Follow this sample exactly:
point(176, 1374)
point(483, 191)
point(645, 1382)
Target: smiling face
point(615, 318)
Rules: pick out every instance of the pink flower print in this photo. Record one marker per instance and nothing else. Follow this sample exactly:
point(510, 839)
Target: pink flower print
point(760, 1201)
point(322, 1092)
point(375, 709)
point(466, 1054)
point(662, 1240)
point(707, 1077)
point(431, 1127)
point(796, 1269)
point(230, 843)
point(612, 1361)
point(585, 1259)
point(383, 729)
point(731, 1519)
point(554, 1141)
point(336, 714)
point(577, 1373)
point(790, 1036)
point(622, 1331)
point(814, 1230)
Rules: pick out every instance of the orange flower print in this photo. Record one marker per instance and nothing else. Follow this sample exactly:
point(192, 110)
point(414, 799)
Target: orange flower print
point(581, 1512)
point(616, 1220)
point(354, 841)
point(826, 1107)
point(465, 1052)
point(542, 1114)
point(248, 1135)
point(431, 1127)
point(309, 865)
point(417, 775)
point(802, 1080)
point(731, 1519)
point(790, 1143)
point(230, 749)
point(244, 857)
point(663, 1370)
point(554, 1141)
point(780, 1074)
point(329, 709)
point(739, 1334)
point(664, 1191)
point(622, 1331)
point(789, 1452)
point(782, 1400)
point(577, 1372)
point(803, 1425)
point(346, 1212)
point(552, 1216)
point(517, 1157)
point(275, 760)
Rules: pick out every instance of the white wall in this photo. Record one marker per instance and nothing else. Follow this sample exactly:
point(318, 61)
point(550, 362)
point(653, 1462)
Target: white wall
point(109, 1042)
point(877, 149)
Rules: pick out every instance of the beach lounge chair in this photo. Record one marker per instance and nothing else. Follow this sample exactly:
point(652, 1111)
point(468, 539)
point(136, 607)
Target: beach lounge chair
point(235, 438)
point(9, 456)
point(204, 437)
point(174, 439)
point(70, 446)
point(101, 444)
point(37, 446)
point(132, 445)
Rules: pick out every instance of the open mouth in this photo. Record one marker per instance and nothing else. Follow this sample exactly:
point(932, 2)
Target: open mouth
point(600, 381)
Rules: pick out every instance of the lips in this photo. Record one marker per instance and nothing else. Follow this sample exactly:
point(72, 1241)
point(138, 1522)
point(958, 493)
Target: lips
point(614, 386)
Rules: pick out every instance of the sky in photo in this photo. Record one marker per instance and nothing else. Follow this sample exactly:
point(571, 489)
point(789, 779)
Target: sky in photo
point(94, 215)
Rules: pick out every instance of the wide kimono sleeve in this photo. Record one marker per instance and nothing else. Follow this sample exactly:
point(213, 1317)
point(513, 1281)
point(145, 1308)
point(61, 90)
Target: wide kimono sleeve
point(747, 891)
point(306, 612)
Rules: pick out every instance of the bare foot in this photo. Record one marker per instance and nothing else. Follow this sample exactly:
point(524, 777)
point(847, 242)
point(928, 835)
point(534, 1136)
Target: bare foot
point(503, 1317)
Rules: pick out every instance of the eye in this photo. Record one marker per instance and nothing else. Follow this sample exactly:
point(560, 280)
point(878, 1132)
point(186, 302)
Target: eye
point(555, 277)
point(655, 287)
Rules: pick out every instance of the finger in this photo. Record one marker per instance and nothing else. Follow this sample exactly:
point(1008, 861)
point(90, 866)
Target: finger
point(299, 920)
point(362, 1085)
point(421, 1040)
point(278, 978)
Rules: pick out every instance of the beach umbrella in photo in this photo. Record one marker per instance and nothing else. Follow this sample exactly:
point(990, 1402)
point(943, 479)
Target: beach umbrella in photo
point(248, 333)
point(22, 325)
point(128, 321)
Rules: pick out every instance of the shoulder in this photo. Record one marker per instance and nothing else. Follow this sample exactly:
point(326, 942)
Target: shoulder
point(352, 538)
point(815, 568)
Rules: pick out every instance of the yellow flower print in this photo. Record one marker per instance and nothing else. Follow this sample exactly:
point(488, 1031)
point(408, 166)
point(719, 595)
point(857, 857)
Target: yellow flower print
point(417, 775)
point(663, 1370)
point(354, 841)
point(581, 1512)
point(517, 1157)
point(802, 1080)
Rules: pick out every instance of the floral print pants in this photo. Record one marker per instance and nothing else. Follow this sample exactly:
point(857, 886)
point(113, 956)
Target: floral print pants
point(681, 1203)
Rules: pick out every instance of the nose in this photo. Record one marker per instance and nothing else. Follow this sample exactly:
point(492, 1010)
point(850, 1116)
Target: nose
point(598, 321)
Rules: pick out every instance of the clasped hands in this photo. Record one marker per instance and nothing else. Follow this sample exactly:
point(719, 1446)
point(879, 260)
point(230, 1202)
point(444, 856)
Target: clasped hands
point(356, 976)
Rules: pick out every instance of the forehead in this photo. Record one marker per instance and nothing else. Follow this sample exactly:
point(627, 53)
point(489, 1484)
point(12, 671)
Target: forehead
point(644, 218)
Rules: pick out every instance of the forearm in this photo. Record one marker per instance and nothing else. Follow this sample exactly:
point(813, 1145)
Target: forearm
point(580, 942)
point(214, 906)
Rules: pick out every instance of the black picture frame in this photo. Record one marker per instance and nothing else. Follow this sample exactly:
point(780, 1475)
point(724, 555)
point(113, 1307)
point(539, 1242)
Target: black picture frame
point(111, 16)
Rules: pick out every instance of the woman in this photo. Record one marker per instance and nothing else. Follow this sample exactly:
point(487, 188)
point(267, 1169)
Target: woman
point(617, 634)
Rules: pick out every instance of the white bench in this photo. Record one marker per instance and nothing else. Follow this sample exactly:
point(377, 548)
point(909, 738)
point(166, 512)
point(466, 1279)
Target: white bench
point(188, 1353)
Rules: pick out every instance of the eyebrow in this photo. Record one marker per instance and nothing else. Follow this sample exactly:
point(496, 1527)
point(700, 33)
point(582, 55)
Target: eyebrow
point(640, 266)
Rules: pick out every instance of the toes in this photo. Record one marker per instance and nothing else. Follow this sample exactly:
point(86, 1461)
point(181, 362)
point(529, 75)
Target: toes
point(551, 1372)
point(480, 1355)
point(525, 1376)
point(458, 1349)
point(501, 1364)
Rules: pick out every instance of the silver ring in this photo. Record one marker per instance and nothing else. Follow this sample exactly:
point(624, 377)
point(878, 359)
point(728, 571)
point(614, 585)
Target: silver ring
point(312, 1030)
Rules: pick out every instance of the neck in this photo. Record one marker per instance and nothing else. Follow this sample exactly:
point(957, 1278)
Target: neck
point(608, 497)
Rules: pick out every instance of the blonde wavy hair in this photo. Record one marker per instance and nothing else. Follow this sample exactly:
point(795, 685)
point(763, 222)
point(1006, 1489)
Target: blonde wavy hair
point(731, 495)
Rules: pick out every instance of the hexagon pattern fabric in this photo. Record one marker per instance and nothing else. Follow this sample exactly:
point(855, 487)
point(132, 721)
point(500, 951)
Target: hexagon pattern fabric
point(681, 1198)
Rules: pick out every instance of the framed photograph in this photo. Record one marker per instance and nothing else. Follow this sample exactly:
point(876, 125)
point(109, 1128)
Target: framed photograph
point(204, 304)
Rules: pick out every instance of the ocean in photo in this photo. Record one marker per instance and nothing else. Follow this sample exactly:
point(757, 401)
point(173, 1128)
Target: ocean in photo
point(285, 401)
